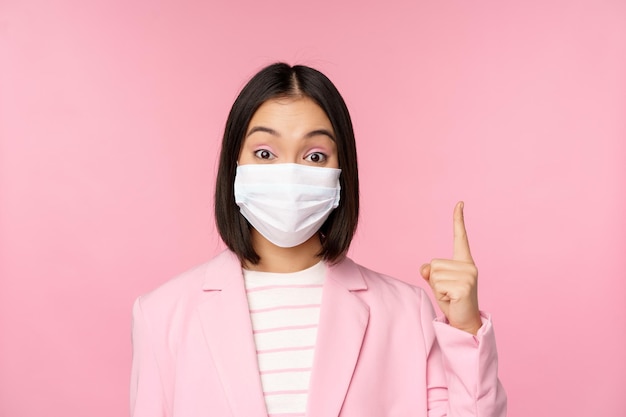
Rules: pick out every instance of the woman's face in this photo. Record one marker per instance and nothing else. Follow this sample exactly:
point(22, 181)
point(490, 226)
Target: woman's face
point(290, 130)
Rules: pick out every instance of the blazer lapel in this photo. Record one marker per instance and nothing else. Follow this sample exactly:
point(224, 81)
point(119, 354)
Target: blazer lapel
point(343, 320)
point(227, 329)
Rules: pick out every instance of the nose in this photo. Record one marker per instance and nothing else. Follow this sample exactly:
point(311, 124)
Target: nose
point(290, 155)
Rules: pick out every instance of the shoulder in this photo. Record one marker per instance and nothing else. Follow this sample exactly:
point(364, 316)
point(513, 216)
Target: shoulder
point(394, 305)
point(380, 287)
point(384, 281)
point(185, 289)
point(379, 280)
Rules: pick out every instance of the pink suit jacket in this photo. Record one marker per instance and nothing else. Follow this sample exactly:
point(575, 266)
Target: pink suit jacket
point(379, 352)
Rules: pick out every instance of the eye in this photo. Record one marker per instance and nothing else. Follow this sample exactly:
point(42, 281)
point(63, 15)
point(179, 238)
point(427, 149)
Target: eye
point(264, 154)
point(316, 157)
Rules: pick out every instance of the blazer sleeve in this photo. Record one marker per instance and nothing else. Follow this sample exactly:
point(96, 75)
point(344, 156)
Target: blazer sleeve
point(147, 397)
point(462, 369)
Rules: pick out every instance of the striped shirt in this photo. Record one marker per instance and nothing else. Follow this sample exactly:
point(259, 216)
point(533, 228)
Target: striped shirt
point(284, 309)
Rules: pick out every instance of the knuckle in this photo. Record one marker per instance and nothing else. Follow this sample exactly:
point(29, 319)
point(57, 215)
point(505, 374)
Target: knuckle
point(471, 268)
point(436, 263)
point(438, 289)
point(466, 288)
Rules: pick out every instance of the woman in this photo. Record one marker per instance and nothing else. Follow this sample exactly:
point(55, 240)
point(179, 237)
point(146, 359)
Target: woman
point(283, 323)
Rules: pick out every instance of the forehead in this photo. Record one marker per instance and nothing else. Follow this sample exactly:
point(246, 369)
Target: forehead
point(291, 113)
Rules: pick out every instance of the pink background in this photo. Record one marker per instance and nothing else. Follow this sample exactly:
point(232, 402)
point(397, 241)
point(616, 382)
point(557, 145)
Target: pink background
point(111, 113)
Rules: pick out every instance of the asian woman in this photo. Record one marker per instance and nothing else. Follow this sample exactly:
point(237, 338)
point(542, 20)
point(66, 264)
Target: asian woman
point(283, 323)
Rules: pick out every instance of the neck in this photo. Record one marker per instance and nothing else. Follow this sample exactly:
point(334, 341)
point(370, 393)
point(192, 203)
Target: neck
point(284, 260)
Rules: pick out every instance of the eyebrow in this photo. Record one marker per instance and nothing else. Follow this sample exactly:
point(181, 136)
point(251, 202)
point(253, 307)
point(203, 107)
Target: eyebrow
point(272, 132)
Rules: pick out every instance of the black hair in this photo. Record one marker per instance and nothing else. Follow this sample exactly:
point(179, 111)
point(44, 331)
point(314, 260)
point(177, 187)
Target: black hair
point(281, 80)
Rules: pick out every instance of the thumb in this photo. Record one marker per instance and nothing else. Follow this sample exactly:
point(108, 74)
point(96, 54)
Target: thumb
point(425, 271)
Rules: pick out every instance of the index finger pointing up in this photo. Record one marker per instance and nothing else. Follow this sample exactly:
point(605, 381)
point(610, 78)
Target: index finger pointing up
point(461, 244)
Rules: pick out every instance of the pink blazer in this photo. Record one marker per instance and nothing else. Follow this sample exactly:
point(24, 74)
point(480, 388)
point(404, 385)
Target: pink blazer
point(380, 351)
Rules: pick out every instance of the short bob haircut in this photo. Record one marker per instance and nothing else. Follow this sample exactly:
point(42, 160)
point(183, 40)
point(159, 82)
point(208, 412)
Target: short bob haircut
point(280, 80)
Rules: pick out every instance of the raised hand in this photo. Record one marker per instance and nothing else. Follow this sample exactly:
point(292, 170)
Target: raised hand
point(454, 281)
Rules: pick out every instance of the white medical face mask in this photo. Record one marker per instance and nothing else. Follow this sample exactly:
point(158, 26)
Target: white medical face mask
point(286, 203)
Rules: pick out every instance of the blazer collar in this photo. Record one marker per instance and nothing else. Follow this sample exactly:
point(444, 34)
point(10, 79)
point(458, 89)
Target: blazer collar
point(225, 319)
point(343, 322)
point(221, 271)
point(228, 332)
point(347, 274)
